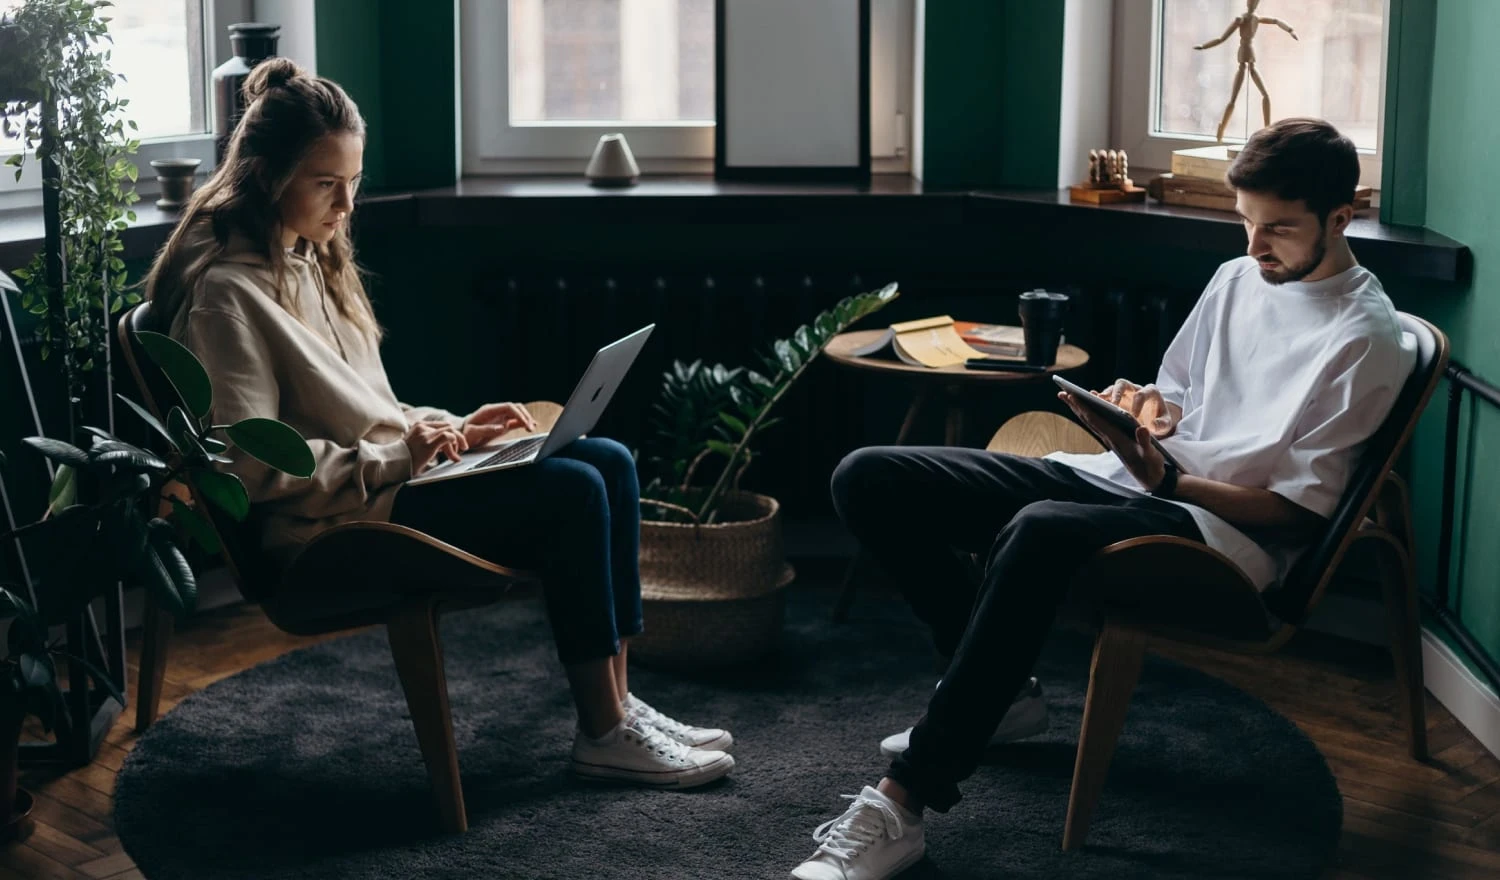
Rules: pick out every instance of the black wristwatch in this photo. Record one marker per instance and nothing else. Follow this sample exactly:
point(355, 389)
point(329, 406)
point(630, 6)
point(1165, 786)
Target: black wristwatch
point(1168, 485)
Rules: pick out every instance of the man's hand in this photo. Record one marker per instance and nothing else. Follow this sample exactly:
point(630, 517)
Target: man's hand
point(494, 420)
point(1139, 455)
point(1146, 404)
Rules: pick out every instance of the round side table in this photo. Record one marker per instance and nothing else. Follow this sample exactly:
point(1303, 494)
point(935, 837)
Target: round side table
point(947, 383)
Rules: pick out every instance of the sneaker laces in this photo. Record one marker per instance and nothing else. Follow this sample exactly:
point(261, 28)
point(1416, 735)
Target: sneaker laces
point(640, 709)
point(864, 823)
point(654, 740)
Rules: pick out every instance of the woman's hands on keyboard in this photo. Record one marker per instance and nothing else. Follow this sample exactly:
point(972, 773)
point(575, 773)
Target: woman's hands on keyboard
point(494, 420)
point(428, 439)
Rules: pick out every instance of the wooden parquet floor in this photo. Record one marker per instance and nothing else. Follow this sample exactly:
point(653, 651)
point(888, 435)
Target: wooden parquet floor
point(1402, 819)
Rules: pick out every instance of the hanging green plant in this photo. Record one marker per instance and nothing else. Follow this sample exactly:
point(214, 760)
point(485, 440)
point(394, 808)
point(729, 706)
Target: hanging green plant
point(59, 100)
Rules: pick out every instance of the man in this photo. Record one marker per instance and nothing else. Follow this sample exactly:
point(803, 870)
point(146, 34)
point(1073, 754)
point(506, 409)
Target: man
point(1288, 363)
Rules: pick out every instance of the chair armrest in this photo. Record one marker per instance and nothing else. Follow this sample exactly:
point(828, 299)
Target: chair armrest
point(1171, 584)
point(1034, 434)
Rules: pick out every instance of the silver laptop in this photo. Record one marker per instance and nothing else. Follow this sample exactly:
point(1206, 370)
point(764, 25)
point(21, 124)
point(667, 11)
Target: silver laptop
point(587, 402)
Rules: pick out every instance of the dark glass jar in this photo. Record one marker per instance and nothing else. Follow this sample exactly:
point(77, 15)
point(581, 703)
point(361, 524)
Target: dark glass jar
point(252, 43)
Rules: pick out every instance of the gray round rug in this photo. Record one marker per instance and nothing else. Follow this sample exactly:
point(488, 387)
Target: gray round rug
point(307, 767)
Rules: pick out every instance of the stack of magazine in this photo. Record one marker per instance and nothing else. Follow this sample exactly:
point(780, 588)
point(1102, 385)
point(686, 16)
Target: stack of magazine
point(943, 342)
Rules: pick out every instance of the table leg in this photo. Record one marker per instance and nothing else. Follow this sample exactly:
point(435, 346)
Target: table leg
point(911, 415)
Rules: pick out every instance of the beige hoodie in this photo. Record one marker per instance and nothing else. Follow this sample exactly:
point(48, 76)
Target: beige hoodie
point(266, 362)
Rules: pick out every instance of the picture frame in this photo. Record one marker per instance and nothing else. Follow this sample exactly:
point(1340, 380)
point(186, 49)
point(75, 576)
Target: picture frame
point(792, 90)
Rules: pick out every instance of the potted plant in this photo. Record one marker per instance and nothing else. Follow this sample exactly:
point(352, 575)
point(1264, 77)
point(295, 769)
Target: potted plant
point(712, 565)
point(124, 503)
point(57, 97)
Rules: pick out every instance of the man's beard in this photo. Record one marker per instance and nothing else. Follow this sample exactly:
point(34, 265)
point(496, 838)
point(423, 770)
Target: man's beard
point(1299, 271)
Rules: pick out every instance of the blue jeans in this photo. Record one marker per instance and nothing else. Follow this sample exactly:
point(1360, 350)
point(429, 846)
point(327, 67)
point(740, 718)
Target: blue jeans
point(575, 517)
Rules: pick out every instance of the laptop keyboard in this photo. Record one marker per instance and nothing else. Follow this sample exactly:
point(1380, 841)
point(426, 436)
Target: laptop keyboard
point(514, 452)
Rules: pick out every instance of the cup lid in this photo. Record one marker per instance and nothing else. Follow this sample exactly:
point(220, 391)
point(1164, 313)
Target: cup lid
point(1039, 293)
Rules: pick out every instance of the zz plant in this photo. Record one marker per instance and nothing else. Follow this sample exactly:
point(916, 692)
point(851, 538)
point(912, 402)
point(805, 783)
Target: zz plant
point(711, 415)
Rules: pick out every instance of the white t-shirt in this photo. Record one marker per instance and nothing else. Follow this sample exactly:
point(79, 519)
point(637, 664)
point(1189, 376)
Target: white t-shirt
point(1280, 386)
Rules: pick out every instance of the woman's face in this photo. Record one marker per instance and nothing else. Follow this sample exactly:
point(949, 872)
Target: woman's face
point(320, 196)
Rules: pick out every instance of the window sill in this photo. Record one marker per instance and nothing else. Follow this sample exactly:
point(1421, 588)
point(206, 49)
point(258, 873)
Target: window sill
point(890, 200)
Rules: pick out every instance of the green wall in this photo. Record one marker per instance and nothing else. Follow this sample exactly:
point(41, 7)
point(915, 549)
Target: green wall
point(396, 58)
point(1461, 135)
point(992, 93)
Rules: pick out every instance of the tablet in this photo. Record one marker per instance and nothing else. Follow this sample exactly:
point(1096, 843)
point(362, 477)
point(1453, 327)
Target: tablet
point(1111, 413)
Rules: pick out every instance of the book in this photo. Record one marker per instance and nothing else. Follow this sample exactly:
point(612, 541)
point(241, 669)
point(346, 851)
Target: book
point(1216, 194)
point(1204, 162)
point(995, 340)
point(927, 342)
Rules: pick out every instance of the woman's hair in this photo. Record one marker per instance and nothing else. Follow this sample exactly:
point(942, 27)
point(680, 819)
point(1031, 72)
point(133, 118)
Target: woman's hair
point(287, 111)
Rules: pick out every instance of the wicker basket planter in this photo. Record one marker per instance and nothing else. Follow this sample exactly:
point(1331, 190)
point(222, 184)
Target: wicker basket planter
point(713, 594)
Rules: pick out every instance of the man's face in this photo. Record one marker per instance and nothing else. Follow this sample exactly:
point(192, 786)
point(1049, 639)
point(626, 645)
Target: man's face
point(1285, 238)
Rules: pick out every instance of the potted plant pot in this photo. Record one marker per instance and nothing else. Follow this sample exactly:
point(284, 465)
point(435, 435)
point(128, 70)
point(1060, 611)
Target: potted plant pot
point(713, 595)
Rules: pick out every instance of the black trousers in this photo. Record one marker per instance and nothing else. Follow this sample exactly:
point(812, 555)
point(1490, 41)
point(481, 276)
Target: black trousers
point(1032, 523)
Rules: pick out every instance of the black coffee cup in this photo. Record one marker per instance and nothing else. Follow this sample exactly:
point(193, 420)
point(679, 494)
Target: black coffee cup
point(1042, 315)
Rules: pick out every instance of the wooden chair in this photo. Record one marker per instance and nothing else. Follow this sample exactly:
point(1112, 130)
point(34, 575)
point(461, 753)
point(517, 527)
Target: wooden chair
point(1167, 587)
point(351, 576)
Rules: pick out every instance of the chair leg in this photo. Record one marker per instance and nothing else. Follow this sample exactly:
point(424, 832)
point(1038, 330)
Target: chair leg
point(1118, 654)
point(156, 637)
point(1404, 622)
point(418, 653)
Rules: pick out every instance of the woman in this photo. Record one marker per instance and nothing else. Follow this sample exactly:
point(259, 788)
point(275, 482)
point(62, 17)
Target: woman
point(259, 281)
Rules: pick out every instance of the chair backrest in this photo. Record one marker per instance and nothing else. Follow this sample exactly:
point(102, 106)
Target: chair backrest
point(1304, 585)
point(252, 571)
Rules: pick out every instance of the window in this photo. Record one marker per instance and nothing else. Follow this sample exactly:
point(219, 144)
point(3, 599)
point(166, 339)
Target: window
point(1171, 96)
point(163, 51)
point(542, 79)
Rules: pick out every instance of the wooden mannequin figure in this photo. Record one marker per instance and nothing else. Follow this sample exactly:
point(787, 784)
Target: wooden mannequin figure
point(1247, 24)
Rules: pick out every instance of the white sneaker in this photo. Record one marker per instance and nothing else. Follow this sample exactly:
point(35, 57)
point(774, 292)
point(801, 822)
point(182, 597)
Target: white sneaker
point(692, 737)
point(1027, 716)
point(876, 838)
point(639, 753)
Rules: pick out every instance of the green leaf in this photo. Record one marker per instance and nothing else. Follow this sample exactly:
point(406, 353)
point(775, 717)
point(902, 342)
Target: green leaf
point(214, 444)
point(150, 419)
point(183, 369)
point(184, 436)
point(275, 443)
point(124, 455)
point(170, 558)
point(786, 356)
point(224, 490)
point(724, 449)
point(734, 424)
point(37, 670)
point(64, 491)
point(11, 603)
point(59, 451)
point(195, 525)
point(804, 342)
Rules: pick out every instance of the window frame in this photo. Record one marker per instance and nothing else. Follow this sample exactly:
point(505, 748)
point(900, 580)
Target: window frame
point(1137, 25)
point(27, 192)
point(491, 146)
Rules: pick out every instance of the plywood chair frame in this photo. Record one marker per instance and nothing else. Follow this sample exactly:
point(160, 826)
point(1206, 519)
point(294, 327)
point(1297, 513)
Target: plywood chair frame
point(353, 575)
point(1165, 587)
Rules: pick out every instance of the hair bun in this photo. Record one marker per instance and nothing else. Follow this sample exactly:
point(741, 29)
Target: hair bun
point(269, 74)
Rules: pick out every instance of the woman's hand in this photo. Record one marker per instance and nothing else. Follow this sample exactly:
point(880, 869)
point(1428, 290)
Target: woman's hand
point(1146, 404)
point(1139, 455)
point(426, 439)
point(494, 420)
